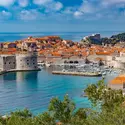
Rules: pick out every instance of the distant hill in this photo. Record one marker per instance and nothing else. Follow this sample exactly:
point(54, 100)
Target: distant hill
point(112, 40)
point(120, 37)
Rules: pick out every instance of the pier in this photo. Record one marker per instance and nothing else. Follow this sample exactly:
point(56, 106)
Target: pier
point(77, 73)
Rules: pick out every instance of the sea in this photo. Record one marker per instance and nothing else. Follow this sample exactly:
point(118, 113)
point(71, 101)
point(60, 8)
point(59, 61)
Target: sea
point(74, 36)
point(34, 90)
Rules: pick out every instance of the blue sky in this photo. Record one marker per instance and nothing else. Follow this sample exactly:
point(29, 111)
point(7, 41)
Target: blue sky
point(62, 15)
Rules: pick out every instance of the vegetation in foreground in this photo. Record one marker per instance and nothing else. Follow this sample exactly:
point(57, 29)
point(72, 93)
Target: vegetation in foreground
point(109, 105)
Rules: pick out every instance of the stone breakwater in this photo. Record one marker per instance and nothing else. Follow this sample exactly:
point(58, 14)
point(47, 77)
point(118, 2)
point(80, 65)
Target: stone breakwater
point(77, 73)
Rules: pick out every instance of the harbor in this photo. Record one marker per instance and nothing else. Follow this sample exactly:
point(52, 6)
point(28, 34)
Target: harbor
point(34, 70)
point(82, 68)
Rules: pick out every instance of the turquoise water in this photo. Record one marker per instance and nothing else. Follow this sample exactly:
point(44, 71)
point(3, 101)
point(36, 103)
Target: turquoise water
point(75, 36)
point(33, 90)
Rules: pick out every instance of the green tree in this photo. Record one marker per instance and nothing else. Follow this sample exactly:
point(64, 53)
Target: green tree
point(23, 114)
point(44, 119)
point(3, 121)
point(79, 116)
point(101, 95)
point(62, 110)
point(16, 120)
point(114, 117)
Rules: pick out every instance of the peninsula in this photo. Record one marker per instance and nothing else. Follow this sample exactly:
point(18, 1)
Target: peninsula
point(27, 53)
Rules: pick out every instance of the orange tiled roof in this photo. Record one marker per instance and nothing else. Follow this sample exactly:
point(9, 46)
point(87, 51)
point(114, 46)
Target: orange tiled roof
point(118, 80)
point(104, 53)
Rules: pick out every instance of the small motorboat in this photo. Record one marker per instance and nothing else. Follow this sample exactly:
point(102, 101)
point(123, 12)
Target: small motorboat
point(47, 65)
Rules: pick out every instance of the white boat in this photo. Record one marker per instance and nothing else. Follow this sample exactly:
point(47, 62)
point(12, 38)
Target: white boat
point(40, 66)
point(104, 73)
point(47, 65)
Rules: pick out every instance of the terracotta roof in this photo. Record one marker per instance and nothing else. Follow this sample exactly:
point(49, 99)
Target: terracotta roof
point(118, 80)
point(103, 53)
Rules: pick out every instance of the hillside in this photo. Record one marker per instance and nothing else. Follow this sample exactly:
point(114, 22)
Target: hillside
point(120, 37)
point(114, 39)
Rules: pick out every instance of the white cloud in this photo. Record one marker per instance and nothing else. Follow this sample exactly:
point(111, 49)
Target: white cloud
point(6, 3)
point(58, 6)
point(68, 10)
point(78, 14)
point(49, 5)
point(41, 2)
point(87, 7)
point(23, 3)
point(53, 6)
point(100, 9)
point(5, 15)
point(30, 15)
point(110, 2)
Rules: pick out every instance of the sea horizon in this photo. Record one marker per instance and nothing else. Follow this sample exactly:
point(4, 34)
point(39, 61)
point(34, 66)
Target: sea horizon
point(74, 36)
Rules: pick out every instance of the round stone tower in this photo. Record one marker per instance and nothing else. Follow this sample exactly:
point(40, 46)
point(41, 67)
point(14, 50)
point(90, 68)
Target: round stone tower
point(26, 61)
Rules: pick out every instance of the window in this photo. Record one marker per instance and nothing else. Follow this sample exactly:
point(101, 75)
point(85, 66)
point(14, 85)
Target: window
point(9, 62)
point(113, 58)
point(27, 63)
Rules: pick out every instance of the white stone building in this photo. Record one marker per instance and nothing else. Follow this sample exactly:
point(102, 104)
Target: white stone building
point(116, 61)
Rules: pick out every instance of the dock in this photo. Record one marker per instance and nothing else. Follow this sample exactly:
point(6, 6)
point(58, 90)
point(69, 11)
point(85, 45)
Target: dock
point(77, 73)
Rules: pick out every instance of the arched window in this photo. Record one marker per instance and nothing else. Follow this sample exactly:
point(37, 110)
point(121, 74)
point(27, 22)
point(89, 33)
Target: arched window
point(71, 62)
point(76, 62)
point(65, 61)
